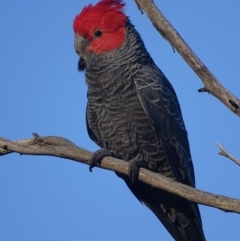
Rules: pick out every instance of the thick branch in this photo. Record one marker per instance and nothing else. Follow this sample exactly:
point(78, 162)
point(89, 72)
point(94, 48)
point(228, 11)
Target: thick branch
point(223, 152)
point(61, 147)
point(211, 84)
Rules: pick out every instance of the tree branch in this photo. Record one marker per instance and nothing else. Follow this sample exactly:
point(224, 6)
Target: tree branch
point(61, 147)
point(211, 84)
point(223, 152)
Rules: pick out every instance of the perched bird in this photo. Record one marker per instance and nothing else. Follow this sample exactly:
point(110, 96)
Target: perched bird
point(133, 113)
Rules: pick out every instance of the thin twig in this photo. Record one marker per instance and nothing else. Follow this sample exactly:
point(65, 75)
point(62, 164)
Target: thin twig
point(61, 147)
point(223, 152)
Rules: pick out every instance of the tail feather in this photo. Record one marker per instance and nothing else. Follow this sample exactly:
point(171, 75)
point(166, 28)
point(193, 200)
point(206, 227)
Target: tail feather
point(180, 217)
point(190, 231)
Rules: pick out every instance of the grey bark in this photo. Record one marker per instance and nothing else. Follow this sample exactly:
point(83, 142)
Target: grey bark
point(61, 147)
point(211, 84)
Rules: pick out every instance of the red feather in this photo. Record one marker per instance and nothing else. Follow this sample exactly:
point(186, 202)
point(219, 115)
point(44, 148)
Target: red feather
point(106, 16)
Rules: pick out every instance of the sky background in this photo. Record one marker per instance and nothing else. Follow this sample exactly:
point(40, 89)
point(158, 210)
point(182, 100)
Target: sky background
point(47, 198)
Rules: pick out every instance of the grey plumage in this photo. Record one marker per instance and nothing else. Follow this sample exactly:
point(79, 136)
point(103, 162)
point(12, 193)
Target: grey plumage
point(133, 114)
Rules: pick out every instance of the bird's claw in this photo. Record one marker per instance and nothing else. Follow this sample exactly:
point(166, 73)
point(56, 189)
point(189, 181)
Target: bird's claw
point(134, 167)
point(97, 157)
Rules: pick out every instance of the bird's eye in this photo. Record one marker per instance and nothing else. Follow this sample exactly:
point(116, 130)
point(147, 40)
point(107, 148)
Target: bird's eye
point(98, 33)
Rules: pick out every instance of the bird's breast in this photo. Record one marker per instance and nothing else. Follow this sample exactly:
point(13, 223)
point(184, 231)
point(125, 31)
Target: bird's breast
point(123, 125)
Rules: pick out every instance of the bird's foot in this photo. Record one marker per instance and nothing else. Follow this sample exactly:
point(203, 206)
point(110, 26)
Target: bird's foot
point(98, 156)
point(134, 167)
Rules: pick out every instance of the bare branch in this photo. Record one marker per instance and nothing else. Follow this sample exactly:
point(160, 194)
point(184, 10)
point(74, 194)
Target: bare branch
point(211, 84)
point(223, 152)
point(61, 147)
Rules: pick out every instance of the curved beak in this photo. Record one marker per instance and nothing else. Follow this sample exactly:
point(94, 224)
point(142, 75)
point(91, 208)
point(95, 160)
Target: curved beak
point(80, 45)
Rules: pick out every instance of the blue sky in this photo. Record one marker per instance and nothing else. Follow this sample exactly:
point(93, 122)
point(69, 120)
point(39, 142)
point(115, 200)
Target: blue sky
point(46, 198)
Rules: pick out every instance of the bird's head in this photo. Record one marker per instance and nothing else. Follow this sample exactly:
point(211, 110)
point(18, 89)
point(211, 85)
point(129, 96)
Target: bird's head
point(100, 28)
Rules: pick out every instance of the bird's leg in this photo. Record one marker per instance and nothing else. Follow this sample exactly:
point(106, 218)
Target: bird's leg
point(98, 156)
point(134, 167)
